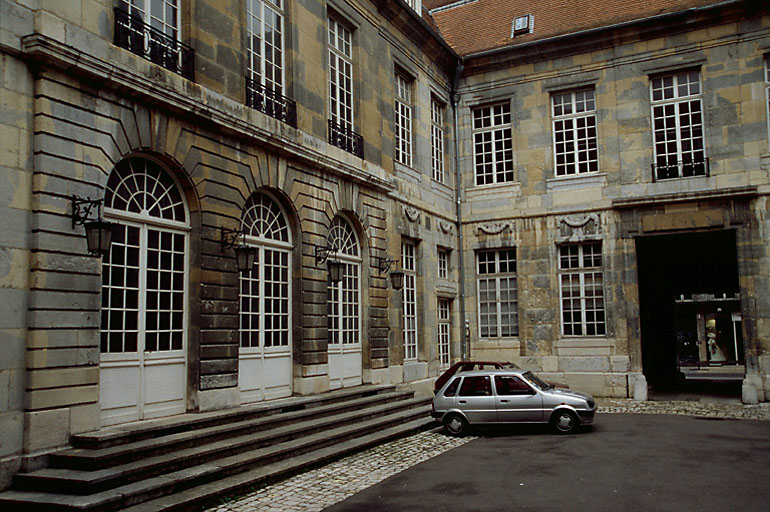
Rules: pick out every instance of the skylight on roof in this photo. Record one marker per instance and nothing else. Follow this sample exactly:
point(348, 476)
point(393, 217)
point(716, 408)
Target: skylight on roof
point(522, 25)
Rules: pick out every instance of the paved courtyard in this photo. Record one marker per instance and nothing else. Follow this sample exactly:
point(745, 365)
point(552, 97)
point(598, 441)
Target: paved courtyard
point(323, 487)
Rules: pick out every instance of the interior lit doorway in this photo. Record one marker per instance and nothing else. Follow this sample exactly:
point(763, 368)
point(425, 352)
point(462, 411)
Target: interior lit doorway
point(690, 315)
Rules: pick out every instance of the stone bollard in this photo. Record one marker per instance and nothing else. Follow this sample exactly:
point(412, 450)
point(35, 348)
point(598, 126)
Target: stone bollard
point(640, 388)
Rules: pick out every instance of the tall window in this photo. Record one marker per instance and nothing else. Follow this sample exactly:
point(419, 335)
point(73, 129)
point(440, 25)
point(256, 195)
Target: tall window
point(574, 132)
point(340, 75)
point(678, 126)
point(265, 289)
point(162, 15)
point(403, 117)
point(443, 264)
point(492, 144)
point(581, 283)
point(144, 275)
point(345, 296)
point(409, 266)
point(437, 139)
point(264, 27)
point(498, 298)
point(443, 332)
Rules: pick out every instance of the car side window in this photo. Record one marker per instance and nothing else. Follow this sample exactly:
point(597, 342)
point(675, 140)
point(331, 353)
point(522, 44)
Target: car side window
point(476, 386)
point(451, 389)
point(510, 385)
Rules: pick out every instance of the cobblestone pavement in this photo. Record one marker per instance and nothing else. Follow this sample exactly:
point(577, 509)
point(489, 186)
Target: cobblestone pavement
point(330, 484)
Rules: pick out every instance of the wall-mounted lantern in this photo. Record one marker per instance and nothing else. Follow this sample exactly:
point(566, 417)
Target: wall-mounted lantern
point(396, 276)
point(98, 230)
point(335, 267)
point(245, 255)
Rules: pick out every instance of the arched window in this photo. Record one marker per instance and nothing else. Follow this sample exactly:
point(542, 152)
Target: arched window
point(344, 297)
point(265, 299)
point(143, 277)
point(144, 295)
point(265, 290)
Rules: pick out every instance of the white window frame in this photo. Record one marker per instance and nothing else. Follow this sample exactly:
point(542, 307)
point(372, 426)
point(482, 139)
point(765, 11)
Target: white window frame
point(575, 140)
point(340, 50)
point(497, 288)
point(409, 294)
point(443, 330)
point(443, 264)
point(416, 5)
point(492, 128)
point(581, 290)
point(675, 97)
point(344, 238)
point(403, 118)
point(437, 139)
point(256, 13)
point(172, 28)
point(277, 242)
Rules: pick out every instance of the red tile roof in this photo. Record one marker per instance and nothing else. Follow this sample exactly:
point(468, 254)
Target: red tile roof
point(486, 24)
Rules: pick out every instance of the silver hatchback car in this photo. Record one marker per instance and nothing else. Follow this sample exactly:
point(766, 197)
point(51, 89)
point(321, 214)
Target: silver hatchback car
point(509, 396)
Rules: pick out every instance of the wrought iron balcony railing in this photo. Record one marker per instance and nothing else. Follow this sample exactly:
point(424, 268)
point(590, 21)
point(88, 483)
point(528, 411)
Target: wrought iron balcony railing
point(138, 37)
point(270, 102)
point(345, 138)
point(680, 169)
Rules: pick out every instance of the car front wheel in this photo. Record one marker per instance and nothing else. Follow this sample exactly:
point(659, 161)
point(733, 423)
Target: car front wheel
point(564, 422)
point(455, 425)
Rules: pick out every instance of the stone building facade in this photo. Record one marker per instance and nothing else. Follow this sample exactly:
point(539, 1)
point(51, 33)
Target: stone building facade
point(378, 135)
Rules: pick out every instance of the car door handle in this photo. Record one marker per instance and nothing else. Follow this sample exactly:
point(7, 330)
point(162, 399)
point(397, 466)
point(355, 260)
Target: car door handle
point(504, 401)
point(462, 401)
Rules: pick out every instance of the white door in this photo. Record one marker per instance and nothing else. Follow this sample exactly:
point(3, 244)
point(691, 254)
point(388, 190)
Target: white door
point(144, 296)
point(344, 299)
point(265, 362)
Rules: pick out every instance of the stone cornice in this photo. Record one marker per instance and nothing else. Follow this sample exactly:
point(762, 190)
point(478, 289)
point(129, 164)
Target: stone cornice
point(194, 104)
point(700, 195)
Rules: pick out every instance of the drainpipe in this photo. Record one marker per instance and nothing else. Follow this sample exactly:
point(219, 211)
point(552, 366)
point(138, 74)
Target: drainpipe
point(464, 339)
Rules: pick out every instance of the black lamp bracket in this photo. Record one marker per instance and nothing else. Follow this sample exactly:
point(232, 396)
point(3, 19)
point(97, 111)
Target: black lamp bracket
point(322, 253)
point(384, 264)
point(81, 210)
point(229, 237)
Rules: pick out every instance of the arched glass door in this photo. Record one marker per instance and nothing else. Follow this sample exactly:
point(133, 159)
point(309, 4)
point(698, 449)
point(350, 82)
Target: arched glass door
point(144, 295)
point(265, 369)
point(344, 303)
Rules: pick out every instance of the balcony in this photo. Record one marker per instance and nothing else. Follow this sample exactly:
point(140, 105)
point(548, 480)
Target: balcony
point(345, 138)
point(680, 169)
point(134, 35)
point(270, 102)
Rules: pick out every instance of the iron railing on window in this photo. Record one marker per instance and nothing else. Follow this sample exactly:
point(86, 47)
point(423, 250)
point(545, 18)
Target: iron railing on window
point(270, 102)
point(680, 169)
point(136, 36)
point(345, 138)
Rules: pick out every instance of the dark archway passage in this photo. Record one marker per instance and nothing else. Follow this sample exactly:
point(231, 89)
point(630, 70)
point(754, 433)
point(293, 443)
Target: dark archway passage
point(672, 266)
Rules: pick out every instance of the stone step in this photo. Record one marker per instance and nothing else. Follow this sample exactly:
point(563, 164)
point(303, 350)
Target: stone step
point(96, 459)
point(147, 429)
point(209, 494)
point(74, 481)
point(217, 477)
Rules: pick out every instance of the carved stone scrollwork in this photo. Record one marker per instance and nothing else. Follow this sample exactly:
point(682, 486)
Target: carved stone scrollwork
point(495, 228)
point(412, 214)
point(576, 228)
point(445, 227)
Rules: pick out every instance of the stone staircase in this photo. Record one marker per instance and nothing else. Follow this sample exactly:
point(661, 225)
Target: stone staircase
point(192, 460)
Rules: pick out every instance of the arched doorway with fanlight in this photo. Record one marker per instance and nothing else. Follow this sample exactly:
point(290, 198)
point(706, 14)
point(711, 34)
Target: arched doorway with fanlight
point(344, 307)
point(143, 345)
point(265, 354)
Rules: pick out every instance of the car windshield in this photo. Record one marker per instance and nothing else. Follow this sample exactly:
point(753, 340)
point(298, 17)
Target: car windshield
point(536, 381)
